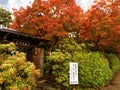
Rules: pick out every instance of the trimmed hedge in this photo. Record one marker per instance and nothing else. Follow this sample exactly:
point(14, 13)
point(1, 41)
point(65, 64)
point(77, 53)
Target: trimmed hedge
point(94, 69)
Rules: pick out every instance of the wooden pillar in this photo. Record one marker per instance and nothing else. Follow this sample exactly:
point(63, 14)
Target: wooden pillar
point(36, 55)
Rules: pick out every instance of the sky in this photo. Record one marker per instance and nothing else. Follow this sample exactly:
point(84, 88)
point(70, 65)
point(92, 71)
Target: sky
point(85, 4)
point(9, 4)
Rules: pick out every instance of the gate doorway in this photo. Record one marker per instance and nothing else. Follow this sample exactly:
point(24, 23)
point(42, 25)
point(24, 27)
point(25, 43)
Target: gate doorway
point(33, 46)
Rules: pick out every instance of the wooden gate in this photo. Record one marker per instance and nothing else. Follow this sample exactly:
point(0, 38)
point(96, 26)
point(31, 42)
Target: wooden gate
point(36, 55)
point(34, 45)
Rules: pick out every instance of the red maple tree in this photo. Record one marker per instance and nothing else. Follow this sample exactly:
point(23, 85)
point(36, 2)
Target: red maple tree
point(48, 18)
point(101, 25)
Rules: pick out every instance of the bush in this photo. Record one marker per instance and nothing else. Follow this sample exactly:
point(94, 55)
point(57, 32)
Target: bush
point(94, 70)
point(16, 73)
point(114, 62)
point(60, 67)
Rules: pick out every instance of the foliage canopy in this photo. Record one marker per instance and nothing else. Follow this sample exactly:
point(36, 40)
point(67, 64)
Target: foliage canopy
point(48, 18)
point(101, 25)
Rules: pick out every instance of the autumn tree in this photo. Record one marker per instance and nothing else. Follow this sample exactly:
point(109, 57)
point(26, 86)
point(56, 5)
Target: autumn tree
point(101, 25)
point(5, 17)
point(48, 19)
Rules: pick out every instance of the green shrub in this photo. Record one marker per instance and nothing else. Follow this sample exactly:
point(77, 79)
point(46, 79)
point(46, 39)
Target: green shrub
point(94, 70)
point(60, 67)
point(16, 73)
point(114, 61)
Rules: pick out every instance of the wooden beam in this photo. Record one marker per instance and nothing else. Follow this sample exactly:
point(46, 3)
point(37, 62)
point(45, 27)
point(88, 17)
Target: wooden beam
point(36, 55)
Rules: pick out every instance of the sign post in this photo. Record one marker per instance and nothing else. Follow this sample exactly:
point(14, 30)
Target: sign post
point(73, 69)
